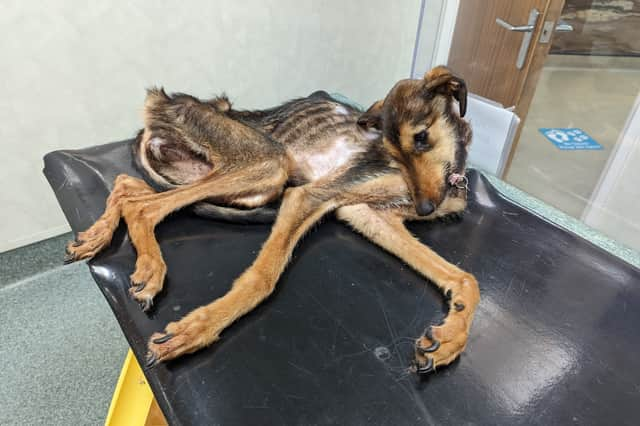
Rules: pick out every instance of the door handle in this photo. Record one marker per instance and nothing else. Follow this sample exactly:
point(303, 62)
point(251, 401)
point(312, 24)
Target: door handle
point(517, 28)
point(549, 27)
point(563, 27)
point(528, 33)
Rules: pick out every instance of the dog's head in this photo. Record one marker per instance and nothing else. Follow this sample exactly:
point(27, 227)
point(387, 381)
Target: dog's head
point(425, 134)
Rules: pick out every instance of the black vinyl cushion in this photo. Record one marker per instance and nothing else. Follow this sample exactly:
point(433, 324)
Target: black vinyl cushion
point(555, 339)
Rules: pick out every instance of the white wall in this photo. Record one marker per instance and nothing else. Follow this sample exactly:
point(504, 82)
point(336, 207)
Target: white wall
point(72, 74)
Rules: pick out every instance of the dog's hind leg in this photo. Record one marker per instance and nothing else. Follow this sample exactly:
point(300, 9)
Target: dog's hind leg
point(301, 208)
point(98, 236)
point(440, 344)
point(264, 180)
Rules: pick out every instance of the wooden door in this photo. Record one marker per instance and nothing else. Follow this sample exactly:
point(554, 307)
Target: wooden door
point(486, 54)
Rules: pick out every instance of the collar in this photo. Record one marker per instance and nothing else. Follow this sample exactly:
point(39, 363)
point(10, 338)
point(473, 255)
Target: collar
point(458, 180)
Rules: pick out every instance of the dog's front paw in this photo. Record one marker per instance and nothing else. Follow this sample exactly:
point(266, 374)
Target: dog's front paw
point(72, 253)
point(191, 333)
point(147, 280)
point(442, 344)
point(451, 217)
point(89, 243)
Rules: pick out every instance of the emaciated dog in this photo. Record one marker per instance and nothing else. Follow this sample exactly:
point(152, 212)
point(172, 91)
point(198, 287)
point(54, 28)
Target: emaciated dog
point(403, 159)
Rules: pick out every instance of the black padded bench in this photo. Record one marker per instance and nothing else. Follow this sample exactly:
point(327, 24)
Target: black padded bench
point(555, 339)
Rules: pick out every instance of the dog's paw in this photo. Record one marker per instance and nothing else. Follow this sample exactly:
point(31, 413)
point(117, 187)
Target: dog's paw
point(86, 246)
point(191, 333)
point(147, 280)
point(441, 345)
point(71, 252)
point(451, 217)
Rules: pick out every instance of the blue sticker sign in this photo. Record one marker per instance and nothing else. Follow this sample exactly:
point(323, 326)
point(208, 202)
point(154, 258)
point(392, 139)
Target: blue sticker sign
point(570, 139)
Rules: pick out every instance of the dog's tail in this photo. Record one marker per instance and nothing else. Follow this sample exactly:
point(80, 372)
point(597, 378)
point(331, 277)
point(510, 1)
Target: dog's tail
point(264, 214)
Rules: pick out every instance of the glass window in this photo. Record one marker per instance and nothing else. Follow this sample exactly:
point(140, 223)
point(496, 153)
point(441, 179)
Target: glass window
point(570, 70)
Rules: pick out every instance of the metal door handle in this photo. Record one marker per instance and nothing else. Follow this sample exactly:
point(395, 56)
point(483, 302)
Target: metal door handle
point(563, 27)
point(517, 28)
point(526, 40)
point(549, 27)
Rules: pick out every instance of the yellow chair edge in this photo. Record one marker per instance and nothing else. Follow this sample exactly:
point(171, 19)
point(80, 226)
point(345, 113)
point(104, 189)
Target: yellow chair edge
point(132, 397)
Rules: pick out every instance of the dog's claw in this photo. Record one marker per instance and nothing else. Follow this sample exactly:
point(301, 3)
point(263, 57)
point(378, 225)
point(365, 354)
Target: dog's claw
point(68, 257)
point(428, 333)
point(425, 369)
point(162, 339)
point(71, 257)
point(137, 288)
point(151, 360)
point(434, 347)
point(146, 304)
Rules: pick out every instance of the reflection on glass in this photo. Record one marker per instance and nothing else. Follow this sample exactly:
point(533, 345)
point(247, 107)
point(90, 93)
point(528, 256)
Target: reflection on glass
point(589, 84)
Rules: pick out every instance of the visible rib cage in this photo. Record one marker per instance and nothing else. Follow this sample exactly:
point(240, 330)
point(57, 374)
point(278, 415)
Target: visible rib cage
point(303, 119)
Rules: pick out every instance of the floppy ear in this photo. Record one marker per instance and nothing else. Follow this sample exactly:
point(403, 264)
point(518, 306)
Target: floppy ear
point(441, 80)
point(372, 118)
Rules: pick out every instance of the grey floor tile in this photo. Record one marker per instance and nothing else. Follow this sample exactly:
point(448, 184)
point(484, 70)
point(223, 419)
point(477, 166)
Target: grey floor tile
point(23, 262)
point(61, 350)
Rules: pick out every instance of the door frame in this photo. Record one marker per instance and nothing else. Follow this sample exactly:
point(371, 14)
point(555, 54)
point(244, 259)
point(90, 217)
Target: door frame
point(430, 51)
point(613, 175)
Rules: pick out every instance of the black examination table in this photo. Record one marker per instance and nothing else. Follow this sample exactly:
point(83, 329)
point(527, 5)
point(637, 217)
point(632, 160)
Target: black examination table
point(555, 340)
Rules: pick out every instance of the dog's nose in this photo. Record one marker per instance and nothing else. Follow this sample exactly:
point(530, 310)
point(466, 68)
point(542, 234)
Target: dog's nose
point(425, 208)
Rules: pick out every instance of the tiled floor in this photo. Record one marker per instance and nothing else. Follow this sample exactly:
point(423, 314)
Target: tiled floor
point(61, 348)
point(592, 93)
point(32, 259)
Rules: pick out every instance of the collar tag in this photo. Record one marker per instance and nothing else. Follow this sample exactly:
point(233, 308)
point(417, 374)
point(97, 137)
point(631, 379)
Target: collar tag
point(459, 181)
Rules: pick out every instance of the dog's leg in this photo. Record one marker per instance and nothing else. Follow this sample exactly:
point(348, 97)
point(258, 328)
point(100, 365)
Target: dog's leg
point(450, 210)
point(143, 213)
point(443, 343)
point(98, 236)
point(301, 207)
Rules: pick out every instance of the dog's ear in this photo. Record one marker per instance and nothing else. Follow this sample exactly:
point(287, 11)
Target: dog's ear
point(441, 80)
point(372, 118)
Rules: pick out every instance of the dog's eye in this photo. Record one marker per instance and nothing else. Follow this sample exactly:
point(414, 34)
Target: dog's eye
point(420, 141)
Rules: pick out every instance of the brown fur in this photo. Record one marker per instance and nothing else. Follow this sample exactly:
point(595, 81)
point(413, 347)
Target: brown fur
point(313, 156)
